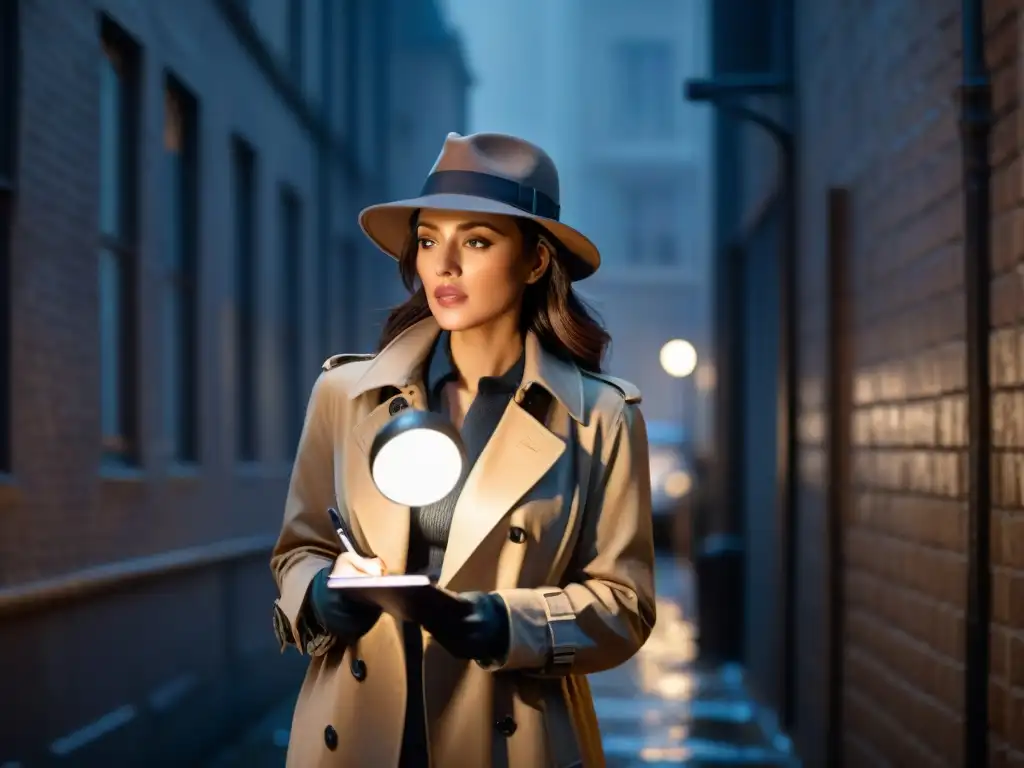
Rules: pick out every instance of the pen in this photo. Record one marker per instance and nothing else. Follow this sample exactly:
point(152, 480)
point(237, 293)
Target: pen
point(343, 533)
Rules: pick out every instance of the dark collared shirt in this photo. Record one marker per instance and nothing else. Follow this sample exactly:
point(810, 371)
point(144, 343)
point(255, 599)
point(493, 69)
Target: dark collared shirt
point(430, 525)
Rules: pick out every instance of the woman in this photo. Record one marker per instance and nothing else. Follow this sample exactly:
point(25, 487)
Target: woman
point(549, 535)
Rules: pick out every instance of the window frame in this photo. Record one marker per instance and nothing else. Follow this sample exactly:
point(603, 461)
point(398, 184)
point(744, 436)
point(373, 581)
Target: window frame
point(115, 43)
point(183, 271)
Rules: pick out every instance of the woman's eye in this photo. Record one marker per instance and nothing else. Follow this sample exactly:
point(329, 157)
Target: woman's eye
point(425, 242)
point(477, 242)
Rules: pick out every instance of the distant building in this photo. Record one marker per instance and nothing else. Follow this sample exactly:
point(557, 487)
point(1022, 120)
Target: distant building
point(178, 253)
point(598, 84)
point(429, 88)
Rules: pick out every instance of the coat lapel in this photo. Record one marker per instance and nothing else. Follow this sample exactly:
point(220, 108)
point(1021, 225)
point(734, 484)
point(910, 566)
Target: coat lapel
point(519, 453)
point(517, 456)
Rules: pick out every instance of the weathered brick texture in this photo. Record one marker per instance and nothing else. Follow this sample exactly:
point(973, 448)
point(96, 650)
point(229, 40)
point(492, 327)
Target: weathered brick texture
point(76, 662)
point(878, 116)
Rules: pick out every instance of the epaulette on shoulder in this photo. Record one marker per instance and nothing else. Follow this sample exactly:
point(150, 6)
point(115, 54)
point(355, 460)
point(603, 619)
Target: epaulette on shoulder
point(334, 361)
point(630, 392)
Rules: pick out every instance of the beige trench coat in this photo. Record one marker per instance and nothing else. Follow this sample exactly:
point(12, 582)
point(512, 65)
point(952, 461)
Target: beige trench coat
point(578, 585)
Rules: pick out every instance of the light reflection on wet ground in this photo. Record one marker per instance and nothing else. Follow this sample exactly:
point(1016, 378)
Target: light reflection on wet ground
point(659, 709)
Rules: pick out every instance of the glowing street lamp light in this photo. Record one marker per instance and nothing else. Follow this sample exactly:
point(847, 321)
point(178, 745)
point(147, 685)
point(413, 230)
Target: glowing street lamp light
point(679, 358)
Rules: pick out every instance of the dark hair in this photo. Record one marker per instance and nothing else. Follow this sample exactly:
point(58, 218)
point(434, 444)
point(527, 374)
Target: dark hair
point(561, 320)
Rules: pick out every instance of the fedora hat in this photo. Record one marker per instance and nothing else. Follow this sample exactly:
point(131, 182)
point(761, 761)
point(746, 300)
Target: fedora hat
point(485, 173)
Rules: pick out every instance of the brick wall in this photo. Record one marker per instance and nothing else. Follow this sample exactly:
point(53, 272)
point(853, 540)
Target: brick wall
point(878, 116)
point(165, 665)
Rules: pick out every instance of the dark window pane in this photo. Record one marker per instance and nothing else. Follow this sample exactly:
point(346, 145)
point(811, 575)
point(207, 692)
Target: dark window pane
point(5, 331)
point(296, 35)
point(180, 321)
point(246, 286)
point(111, 142)
point(644, 90)
point(118, 97)
point(9, 66)
point(111, 349)
point(291, 286)
point(652, 214)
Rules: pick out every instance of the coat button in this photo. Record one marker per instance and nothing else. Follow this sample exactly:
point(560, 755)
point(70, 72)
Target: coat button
point(358, 669)
point(398, 404)
point(506, 726)
point(331, 738)
point(517, 535)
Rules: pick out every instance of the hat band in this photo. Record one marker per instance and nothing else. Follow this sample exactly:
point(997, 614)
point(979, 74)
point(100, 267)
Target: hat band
point(527, 199)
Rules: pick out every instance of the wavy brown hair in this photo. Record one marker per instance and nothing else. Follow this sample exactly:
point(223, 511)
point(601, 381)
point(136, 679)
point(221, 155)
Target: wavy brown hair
point(560, 319)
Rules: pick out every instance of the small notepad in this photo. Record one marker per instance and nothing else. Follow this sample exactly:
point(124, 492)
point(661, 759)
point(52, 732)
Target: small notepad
point(392, 581)
point(409, 597)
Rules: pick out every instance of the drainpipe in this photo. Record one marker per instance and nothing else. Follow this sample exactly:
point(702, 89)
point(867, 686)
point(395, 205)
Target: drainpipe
point(975, 127)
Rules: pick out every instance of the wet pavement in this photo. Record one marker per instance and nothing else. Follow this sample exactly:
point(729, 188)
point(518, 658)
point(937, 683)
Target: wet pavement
point(660, 709)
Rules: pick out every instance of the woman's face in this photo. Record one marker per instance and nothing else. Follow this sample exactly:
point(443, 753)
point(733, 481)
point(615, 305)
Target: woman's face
point(473, 268)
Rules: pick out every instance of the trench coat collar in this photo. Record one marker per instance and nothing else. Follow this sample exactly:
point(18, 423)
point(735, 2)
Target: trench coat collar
point(400, 364)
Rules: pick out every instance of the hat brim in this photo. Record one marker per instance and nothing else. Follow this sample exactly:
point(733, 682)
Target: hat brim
point(387, 225)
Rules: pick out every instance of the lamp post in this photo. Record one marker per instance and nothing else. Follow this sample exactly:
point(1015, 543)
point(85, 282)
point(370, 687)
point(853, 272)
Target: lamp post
point(678, 358)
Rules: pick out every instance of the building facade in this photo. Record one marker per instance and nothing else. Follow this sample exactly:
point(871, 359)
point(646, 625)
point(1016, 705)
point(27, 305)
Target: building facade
point(862, 574)
point(599, 90)
point(179, 252)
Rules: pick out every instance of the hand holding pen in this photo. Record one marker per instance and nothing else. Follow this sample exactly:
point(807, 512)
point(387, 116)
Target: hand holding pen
point(351, 562)
point(332, 609)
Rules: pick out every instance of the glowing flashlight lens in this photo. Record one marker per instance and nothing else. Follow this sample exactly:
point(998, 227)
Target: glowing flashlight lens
point(417, 467)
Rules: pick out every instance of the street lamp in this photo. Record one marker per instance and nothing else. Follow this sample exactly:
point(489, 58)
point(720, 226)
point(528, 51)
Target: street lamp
point(679, 358)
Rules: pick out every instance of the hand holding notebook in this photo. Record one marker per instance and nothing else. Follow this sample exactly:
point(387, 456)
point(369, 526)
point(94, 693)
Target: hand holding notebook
point(410, 597)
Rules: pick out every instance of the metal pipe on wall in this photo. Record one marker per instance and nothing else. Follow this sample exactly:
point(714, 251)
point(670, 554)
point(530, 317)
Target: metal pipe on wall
point(838, 403)
point(975, 129)
point(788, 448)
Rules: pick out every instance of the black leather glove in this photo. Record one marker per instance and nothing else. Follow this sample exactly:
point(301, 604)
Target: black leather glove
point(482, 636)
point(337, 613)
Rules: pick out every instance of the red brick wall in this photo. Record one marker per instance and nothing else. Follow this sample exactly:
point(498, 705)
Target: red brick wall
point(73, 662)
point(878, 116)
point(1006, 685)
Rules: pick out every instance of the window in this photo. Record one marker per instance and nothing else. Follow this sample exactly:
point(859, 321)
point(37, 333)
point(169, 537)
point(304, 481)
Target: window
point(9, 66)
point(181, 340)
point(296, 38)
point(644, 90)
point(291, 248)
point(653, 214)
point(119, 97)
point(246, 299)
